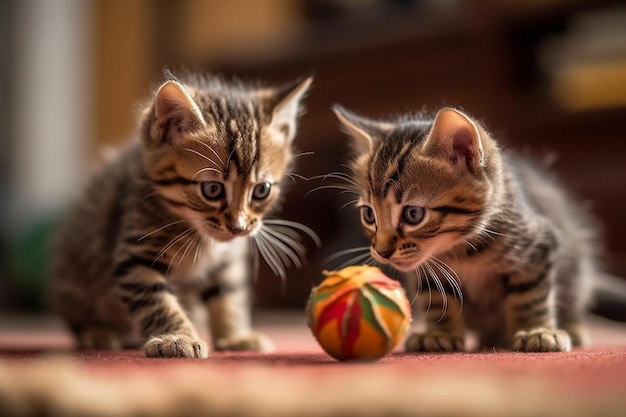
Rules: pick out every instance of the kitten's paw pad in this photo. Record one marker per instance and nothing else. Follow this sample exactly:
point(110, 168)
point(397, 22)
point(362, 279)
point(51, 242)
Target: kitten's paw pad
point(541, 340)
point(175, 346)
point(434, 342)
point(253, 342)
point(99, 339)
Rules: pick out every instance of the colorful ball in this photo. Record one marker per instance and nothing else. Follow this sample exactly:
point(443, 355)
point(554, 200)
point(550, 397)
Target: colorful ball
point(358, 313)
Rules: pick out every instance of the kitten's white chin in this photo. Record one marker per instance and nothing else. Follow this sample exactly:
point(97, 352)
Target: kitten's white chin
point(219, 237)
point(402, 265)
point(228, 237)
point(405, 266)
point(222, 236)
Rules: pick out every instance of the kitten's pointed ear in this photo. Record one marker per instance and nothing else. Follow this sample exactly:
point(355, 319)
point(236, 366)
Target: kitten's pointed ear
point(175, 114)
point(455, 137)
point(287, 108)
point(365, 132)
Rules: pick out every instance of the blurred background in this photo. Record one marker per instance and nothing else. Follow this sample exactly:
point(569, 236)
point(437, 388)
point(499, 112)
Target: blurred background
point(547, 76)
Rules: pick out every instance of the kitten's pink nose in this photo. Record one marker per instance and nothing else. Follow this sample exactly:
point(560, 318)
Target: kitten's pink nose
point(237, 229)
point(237, 225)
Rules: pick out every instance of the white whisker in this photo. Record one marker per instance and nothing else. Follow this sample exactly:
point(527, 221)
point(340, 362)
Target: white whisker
point(467, 242)
point(268, 260)
point(348, 204)
point(198, 249)
point(441, 289)
point(355, 260)
point(347, 191)
point(419, 279)
point(269, 257)
point(295, 225)
point(180, 260)
point(205, 170)
point(278, 243)
point(430, 295)
point(282, 248)
point(417, 290)
point(448, 269)
point(489, 231)
point(203, 156)
point(307, 153)
point(338, 176)
point(278, 254)
point(287, 231)
point(335, 187)
point(292, 243)
point(345, 252)
point(212, 150)
point(293, 176)
point(173, 242)
point(159, 229)
point(192, 242)
point(349, 167)
point(454, 281)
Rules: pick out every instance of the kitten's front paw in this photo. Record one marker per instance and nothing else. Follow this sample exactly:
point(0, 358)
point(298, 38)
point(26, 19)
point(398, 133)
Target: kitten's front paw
point(253, 342)
point(541, 340)
point(175, 346)
point(434, 342)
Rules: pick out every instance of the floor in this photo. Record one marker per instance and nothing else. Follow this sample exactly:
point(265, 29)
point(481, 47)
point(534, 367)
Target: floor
point(39, 371)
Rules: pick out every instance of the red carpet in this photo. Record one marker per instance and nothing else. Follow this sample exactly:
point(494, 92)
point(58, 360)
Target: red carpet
point(40, 375)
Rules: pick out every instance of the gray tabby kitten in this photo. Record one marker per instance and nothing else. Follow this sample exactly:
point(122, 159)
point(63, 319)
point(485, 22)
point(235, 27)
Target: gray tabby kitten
point(168, 223)
point(440, 199)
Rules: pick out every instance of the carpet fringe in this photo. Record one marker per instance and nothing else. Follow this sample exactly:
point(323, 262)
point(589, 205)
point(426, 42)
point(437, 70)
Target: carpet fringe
point(61, 387)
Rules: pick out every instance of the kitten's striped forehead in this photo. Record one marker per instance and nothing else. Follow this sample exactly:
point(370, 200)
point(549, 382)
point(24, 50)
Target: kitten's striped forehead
point(390, 160)
point(238, 126)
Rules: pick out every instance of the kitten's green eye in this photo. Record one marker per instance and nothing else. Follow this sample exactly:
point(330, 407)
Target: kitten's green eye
point(261, 191)
point(413, 214)
point(368, 215)
point(212, 190)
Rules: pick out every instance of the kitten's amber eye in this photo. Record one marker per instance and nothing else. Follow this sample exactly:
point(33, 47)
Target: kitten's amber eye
point(261, 191)
point(412, 214)
point(368, 215)
point(212, 190)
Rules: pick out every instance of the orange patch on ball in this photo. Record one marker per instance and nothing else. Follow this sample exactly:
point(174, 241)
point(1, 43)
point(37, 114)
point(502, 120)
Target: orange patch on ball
point(358, 313)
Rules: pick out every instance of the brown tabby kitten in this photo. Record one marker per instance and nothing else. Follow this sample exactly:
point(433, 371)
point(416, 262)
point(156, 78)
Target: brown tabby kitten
point(440, 199)
point(169, 222)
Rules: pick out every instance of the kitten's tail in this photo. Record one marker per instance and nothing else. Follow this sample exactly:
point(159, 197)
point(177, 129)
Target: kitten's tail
point(609, 294)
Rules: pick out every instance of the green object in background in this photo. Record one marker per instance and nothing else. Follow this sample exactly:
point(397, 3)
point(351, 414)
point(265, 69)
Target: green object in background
point(29, 263)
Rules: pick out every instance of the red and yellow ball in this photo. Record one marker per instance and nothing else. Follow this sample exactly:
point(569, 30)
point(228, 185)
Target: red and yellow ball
point(358, 313)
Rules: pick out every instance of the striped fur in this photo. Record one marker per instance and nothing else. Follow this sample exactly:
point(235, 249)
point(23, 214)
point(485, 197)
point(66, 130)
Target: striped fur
point(169, 223)
point(495, 242)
